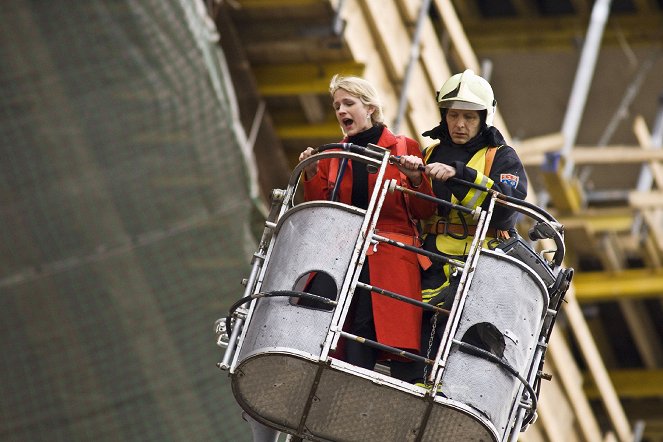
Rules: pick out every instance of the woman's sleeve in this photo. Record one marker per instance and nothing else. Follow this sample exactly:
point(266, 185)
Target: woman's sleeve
point(317, 188)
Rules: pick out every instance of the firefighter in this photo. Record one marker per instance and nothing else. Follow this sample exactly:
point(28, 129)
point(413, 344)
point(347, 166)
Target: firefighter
point(470, 148)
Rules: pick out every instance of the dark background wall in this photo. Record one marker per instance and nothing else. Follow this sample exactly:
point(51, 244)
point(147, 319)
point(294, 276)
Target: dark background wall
point(124, 213)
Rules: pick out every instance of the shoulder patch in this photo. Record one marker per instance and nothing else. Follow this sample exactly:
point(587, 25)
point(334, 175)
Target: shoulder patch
point(510, 179)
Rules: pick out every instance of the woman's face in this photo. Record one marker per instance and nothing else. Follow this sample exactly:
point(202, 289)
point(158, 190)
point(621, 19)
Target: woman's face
point(353, 115)
point(463, 124)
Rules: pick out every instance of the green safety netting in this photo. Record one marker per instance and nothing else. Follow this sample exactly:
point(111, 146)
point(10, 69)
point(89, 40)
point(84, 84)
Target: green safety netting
point(124, 222)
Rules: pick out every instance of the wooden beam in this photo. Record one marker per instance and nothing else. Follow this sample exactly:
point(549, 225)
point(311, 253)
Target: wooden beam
point(301, 78)
point(630, 383)
point(609, 286)
point(637, 319)
point(646, 200)
point(596, 155)
point(326, 130)
point(390, 34)
point(599, 220)
point(566, 194)
point(556, 33)
point(457, 34)
point(597, 369)
point(615, 155)
point(462, 45)
point(571, 379)
point(539, 145)
point(467, 11)
point(654, 222)
point(312, 108)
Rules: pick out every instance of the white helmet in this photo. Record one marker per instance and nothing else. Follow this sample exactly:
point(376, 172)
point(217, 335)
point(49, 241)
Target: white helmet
point(468, 91)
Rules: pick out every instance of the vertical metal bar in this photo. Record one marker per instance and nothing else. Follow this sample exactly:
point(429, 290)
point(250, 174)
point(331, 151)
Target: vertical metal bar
point(338, 23)
point(358, 255)
point(239, 322)
point(463, 287)
point(583, 80)
point(414, 58)
point(630, 94)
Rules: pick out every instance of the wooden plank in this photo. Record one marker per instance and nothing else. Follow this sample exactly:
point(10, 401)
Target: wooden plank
point(646, 200)
point(539, 145)
point(462, 45)
point(362, 45)
point(409, 10)
point(597, 369)
point(301, 78)
point(457, 34)
point(534, 432)
point(324, 131)
point(566, 194)
point(609, 286)
point(654, 222)
point(392, 37)
point(555, 33)
point(653, 217)
point(600, 220)
point(630, 383)
point(312, 107)
point(555, 413)
point(571, 379)
point(433, 60)
point(617, 155)
point(422, 111)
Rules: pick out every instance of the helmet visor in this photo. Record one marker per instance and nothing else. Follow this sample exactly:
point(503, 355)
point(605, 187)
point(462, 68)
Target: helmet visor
point(451, 103)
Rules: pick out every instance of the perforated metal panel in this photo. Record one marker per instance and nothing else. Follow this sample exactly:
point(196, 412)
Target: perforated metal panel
point(312, 237)
point(342, 403)
point(511, 297)
point(275, 387)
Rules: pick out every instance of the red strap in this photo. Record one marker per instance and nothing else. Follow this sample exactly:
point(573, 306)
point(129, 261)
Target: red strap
point(490, 156)
point(401, 149)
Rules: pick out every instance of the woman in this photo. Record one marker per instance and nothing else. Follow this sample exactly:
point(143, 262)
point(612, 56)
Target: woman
point(373, 316)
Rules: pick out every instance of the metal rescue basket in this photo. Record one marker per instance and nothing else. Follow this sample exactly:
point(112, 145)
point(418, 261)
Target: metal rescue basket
point(278, 349)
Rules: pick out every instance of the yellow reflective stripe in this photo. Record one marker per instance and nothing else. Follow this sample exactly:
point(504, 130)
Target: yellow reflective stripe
point(470, 200)
point(428, 294)
point(429, 151)
point(475, 197)
point(478, 160)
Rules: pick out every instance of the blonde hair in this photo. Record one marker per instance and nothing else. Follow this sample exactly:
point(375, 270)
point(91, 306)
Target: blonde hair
point(361, 89)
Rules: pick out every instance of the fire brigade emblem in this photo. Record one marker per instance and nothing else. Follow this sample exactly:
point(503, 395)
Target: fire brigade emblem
point(510, 179)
